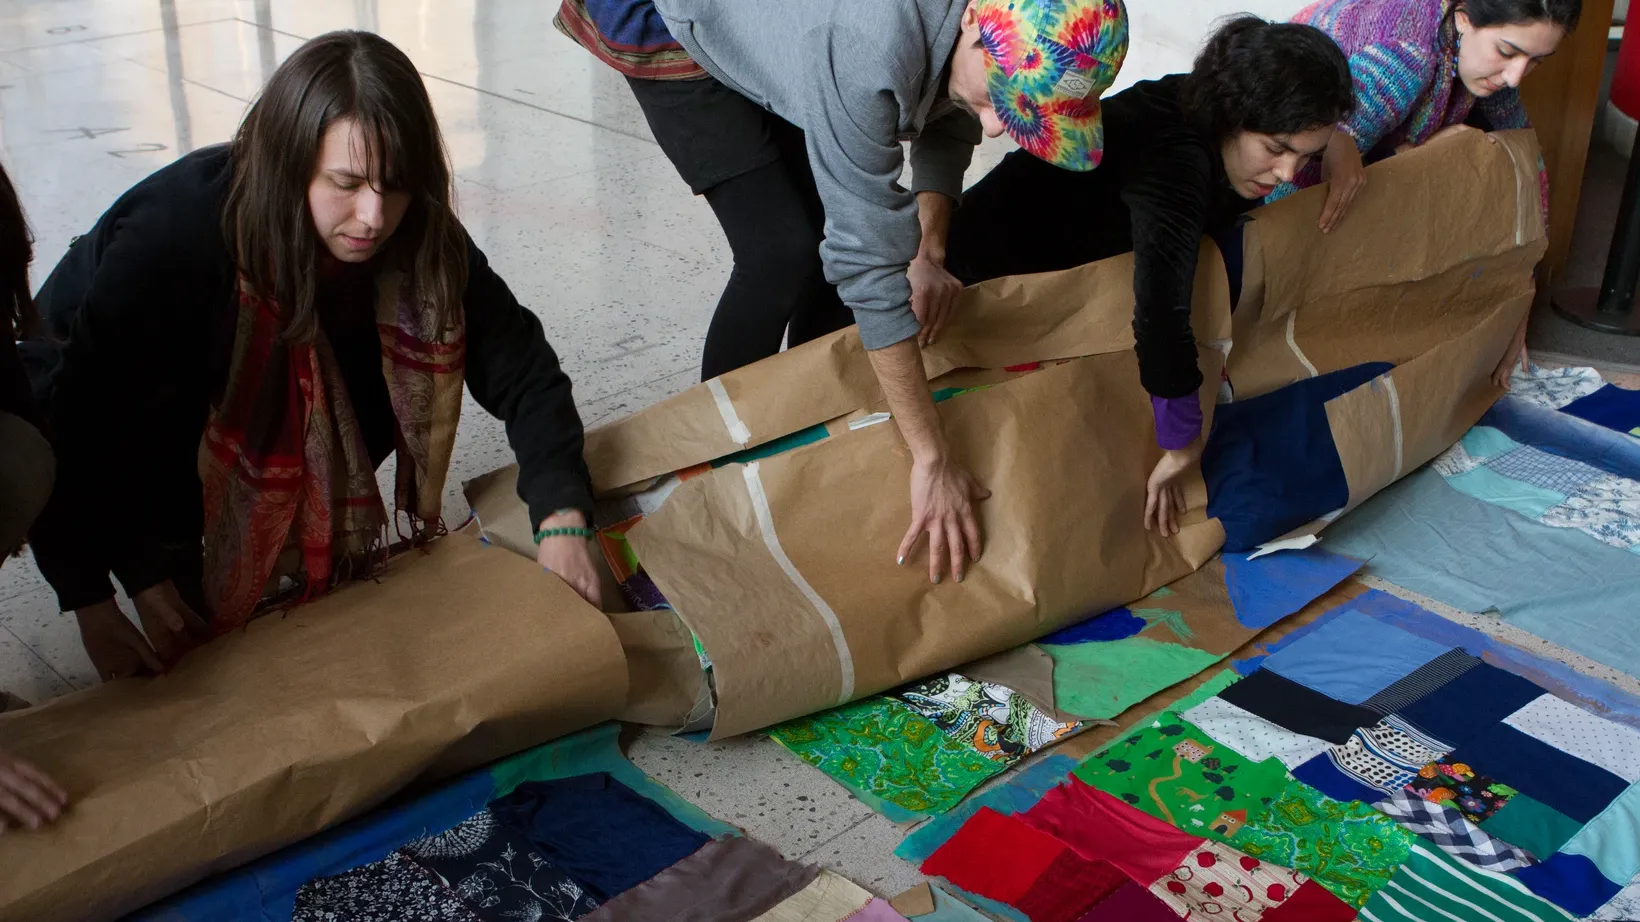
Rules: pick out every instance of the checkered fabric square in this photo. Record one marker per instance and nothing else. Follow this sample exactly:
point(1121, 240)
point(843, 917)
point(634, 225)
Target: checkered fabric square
point(1539, 468)
point(1458, 837)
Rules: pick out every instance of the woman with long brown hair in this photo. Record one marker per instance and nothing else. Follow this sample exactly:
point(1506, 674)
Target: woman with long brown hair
point(247, 334)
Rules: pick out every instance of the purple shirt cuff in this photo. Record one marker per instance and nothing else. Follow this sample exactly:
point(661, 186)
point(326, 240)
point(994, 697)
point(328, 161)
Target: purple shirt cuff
point(1178, 420)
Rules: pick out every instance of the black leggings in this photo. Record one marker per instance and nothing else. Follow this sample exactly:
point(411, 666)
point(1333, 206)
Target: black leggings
point(753, 169)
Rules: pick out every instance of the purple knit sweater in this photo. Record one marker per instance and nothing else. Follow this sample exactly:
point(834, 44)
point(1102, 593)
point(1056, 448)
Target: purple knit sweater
point(1406, 77)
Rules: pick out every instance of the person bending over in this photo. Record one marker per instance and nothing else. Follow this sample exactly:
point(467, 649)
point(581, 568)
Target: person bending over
point(1184, 156)
point(247, 334)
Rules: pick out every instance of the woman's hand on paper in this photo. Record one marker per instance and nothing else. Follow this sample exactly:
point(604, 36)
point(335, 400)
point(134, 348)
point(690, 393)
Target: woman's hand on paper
point(1164, 493)
point(1342, 170)
point(28, 797)
point(116, 648)
point(942, 507)
point(570, 558)
point(172, 627)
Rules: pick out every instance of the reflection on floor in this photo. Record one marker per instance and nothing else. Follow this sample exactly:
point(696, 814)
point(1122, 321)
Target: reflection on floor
point(559, 182)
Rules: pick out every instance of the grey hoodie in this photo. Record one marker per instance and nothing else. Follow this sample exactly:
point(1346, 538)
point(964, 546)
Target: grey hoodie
point(858, 76)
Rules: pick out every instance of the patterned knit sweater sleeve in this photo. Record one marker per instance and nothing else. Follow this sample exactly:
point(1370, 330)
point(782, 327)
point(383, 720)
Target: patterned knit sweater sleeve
point(1394, 52)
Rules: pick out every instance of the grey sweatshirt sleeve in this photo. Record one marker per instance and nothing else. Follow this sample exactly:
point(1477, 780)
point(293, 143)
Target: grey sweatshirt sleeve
point(851, 127)
point(940, 155)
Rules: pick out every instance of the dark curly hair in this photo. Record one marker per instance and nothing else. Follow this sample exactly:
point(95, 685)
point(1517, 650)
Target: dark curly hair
point(1483, 13)
point(1267, 77)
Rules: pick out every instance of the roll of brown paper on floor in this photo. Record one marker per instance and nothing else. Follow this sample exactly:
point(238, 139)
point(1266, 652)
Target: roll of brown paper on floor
point(456, 656)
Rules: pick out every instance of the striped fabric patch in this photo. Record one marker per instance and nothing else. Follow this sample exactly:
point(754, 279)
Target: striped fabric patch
point(1424, 680)
point(1431, 887)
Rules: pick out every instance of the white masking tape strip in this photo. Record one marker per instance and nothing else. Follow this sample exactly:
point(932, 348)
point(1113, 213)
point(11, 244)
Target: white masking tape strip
point(1292, 344)
point(726, 409)
point(765, 523)
point(872, 420)
point(1395, 417)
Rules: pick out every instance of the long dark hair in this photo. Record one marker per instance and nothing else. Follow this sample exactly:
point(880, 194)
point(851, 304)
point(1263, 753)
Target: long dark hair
point(1483, 13)
point(267, 223)
point(16, 252)
point(1267, 77)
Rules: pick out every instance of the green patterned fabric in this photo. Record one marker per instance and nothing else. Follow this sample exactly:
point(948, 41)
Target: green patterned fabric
point(886, 751)
point(1349, 848)
point(1172, 770)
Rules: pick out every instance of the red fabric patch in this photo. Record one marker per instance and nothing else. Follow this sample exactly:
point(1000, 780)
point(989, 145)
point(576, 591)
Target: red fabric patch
point(1069, 887)
point(1311, 903)
point(1100, 827)
point(1132, 903)
point(995, 856)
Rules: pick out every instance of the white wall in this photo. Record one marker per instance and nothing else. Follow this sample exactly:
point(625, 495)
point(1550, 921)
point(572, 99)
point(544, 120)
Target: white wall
point(1164, 35)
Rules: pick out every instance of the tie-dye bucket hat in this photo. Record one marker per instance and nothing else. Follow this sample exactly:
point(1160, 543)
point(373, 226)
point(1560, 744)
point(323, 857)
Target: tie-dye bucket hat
point(1047, 62)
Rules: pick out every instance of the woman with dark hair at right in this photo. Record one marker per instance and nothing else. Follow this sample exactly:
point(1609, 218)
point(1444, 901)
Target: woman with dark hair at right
point(1184, 156)
point(249, 333)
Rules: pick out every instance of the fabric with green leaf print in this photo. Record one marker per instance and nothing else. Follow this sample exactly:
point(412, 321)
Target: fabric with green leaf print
point(1349, 848)
point(884, 751)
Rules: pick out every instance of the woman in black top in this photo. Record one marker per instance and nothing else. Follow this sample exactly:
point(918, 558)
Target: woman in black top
point(1184, 156)
point(247, 334)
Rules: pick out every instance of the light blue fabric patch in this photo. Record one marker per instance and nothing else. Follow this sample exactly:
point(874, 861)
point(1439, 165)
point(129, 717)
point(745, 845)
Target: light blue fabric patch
point(1353, 657)
point(1612, 839)
point(1487, 485)
point(1557, 583)
point(1484, 443)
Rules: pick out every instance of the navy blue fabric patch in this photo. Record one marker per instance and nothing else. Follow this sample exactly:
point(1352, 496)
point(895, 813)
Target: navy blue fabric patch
point(598, 830)
point(1612, 406)
point(1270, 462)
point(1320, 773)
point(1470, 703)
point(1571, 882)
point(1548, 775)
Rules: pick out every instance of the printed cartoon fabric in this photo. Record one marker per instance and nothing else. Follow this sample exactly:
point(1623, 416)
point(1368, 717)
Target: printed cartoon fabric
point(1348, 848)
point(499, 873)
point(995, 721)
point(884, 749)
point(1457, 785)
point(1446, 828)
point(1174, 771)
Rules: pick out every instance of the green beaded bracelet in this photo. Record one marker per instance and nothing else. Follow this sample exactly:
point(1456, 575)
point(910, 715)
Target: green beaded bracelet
point(575, 532)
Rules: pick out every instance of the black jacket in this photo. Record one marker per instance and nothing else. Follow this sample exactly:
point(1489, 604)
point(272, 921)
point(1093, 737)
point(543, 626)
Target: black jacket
point(144, 309)
point(1159, 188)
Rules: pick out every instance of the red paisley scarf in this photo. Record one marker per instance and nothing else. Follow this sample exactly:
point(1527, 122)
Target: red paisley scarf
point(289, 487)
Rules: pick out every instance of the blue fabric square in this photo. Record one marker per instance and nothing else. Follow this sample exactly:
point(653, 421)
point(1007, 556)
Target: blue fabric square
point(1548, 775)
point(1541, 469)
point(1563, 434)
point(1353, 657)
point(1270, 462)
point(1320, 773)
point(1265, 590)
point(1571, 882)
point(1612, 406)
point(1479, 698)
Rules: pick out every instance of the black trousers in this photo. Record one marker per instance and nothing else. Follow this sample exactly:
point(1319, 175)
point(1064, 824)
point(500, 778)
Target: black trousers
point(753, 169)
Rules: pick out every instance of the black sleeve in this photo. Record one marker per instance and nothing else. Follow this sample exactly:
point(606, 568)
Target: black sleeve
point(1167, 197)
point(514, 375)
point(16, 397)
point(117, 403)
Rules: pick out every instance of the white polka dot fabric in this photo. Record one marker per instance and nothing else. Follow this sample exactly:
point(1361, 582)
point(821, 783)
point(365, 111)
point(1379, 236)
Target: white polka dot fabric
point(1251, 735)
point(1592, 738)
